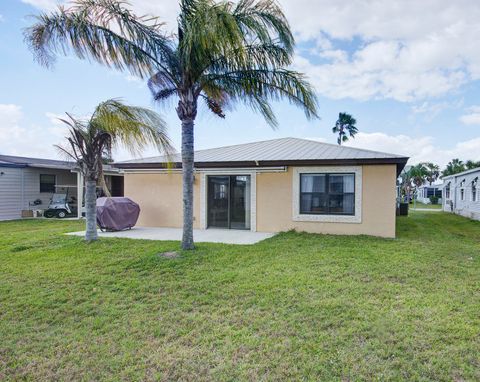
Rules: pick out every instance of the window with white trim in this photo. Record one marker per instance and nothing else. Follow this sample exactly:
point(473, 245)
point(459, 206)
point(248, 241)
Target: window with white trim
point(327, 194)
point(474, 190)
point(447, 191)
point(462, 190)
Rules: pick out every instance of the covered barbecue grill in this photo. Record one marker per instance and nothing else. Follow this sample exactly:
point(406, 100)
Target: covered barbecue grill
point(116, 214)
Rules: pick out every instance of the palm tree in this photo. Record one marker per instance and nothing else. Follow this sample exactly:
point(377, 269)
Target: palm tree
point(89, 142)
point(418, 174)
point(345, 124)
point(406, 184)
point(454, 167)
point(471, 164)
point(432, 171)
point(223, 53)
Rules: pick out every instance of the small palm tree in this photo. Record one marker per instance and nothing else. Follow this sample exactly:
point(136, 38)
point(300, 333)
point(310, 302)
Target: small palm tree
point(224, 52)
point(345, 125)
point(111, 124)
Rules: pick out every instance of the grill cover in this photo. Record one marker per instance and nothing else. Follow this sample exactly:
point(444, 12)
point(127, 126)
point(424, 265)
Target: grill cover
point(116, 214)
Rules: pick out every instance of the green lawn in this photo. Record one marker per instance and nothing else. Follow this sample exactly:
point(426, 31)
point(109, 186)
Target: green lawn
point(429, 206)
point(295, 307)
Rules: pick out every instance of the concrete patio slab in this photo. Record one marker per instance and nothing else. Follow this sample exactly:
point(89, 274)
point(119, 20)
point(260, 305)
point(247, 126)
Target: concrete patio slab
point(210, 235)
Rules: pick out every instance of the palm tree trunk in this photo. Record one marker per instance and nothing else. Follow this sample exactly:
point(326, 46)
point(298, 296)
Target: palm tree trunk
point(187, 111)
point(91, 211)
point(187, 171)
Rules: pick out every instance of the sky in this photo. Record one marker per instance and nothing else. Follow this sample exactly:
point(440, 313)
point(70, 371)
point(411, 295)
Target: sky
point(408, 71)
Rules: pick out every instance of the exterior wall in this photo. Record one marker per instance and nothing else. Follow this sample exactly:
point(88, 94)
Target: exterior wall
point(467, 207)
point(274, 205)
point(160, 198)
point(32, 185)
point(10, 193)
point(19, 187)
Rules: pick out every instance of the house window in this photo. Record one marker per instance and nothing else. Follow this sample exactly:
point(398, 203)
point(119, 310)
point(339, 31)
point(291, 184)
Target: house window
point(474, 190)
point(447, 191)
point(327, 194)
point(47, 183)
point(462, 190)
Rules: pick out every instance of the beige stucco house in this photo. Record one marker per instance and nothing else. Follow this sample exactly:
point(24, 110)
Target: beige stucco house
point(273, 186)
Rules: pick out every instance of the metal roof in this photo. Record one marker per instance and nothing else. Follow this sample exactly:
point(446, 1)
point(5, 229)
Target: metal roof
point(14, 161)
point(467, 172)
point(283, 151)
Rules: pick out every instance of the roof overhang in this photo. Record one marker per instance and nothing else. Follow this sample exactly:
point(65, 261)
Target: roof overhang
point(400, 162)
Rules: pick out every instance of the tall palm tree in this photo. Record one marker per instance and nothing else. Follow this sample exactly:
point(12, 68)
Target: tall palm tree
point(111, 124)
point(345, 125)
point(223, 53)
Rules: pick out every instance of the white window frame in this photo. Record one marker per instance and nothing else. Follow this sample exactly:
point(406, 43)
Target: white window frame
point(204, 194)
point(297, 216)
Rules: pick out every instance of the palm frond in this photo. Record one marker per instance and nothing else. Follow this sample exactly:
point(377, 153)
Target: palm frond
point(259, 18)
point(267, 85)
point(161, 86)
point(104, 31)
point(133, 127)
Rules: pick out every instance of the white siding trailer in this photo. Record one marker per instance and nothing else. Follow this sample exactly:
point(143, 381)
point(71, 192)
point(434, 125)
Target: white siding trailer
point(27, 184)
point(461, 194)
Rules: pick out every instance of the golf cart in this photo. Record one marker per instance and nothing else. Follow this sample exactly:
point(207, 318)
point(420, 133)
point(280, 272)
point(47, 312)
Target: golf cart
point(62, 204)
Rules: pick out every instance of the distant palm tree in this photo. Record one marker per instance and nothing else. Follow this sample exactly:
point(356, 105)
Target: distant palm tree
point(223, 53)
point(455, 166)
point(111, 124)
point(471, 164)
point(345, 125)
point(432, 172)
point(418, 174)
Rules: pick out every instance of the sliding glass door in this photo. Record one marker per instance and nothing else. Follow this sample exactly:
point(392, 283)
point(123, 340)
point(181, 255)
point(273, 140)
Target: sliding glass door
point(228, 201)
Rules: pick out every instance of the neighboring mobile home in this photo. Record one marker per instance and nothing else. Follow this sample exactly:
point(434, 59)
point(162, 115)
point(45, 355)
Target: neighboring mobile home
point(27, 184)
point(461, 193)
point(425, 192)
point(273, 186)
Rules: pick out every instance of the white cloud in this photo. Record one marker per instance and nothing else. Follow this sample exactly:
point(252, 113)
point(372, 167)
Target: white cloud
point(10, 130)
point(403, 50)
point(2, 18)
point(472, 117)
point(167, 10)
point(20, 138)
point(419, 149)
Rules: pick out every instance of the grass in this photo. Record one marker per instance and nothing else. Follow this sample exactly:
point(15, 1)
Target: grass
point(429, 206)
point(295, 307)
